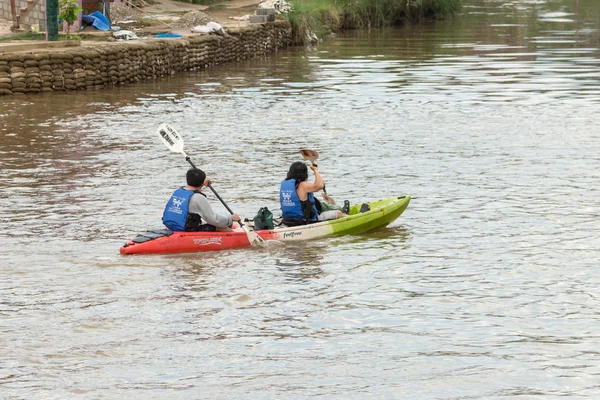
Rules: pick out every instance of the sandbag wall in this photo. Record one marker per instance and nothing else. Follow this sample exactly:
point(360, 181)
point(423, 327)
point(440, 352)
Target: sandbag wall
point(82, 68)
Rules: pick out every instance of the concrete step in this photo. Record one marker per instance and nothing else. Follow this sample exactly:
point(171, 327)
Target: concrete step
point(258, 19)
point(265, 11)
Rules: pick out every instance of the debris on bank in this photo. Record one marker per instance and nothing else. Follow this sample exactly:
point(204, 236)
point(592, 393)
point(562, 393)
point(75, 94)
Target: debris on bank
point(280, 6)
point(122, 12)
point(191, 19)
point(266, 11)
point(125, 35)
point(129, 22)
point(211, 27)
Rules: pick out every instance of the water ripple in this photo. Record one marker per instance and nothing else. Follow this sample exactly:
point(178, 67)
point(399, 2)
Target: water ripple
point(484, 288)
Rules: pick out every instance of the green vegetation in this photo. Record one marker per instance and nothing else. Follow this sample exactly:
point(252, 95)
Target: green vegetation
point(318, 16)
point(217, 7)
point(325, 16)
point(30, 35)
point(69, 12)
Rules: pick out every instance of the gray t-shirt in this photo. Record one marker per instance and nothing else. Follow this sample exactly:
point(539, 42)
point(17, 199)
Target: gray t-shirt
point(200, 205)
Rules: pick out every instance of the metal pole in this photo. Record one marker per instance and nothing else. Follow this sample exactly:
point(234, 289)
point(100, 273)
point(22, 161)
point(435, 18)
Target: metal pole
point(13, 10)
point(52, 20)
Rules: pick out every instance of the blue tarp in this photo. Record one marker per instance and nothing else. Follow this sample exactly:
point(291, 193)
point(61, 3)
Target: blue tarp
point(98, 20)
point(167, 35)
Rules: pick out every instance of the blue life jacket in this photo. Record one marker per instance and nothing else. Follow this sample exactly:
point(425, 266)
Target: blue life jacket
point(291, 205)
point(177, 217)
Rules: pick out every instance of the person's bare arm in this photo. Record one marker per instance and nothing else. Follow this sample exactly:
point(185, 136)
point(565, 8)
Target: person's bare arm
point(304, 188)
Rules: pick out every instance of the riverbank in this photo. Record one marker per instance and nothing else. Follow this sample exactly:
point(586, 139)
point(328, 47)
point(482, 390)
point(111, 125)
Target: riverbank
point(312, 20)
point(28, 67)
point(307, 17)
point(96, 65)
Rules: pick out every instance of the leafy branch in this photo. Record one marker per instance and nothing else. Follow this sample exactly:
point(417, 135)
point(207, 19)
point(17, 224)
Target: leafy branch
point(69, 12)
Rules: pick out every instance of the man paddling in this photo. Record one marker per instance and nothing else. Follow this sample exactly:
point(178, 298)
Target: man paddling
point(188, 208)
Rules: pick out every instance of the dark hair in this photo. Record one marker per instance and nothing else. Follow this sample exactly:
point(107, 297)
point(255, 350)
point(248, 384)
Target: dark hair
point(195, 177)
point(298, 171)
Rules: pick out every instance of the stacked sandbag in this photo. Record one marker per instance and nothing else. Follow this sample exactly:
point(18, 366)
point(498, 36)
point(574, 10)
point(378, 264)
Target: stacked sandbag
point(18, 77)
point(5, 79)
point(45, 67)
point(153, 64)
point(33, 78)
point(17, 74)
point(5, 76)
point(95, 63)
point(62, 78)
point(113, 64)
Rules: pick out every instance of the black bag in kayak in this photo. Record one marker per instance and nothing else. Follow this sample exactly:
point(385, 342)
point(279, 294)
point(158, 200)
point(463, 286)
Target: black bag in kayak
point(263, 219)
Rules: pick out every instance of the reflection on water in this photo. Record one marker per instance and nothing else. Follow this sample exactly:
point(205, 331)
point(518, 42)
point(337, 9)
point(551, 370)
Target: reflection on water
point(484, 288)
point(300, 262)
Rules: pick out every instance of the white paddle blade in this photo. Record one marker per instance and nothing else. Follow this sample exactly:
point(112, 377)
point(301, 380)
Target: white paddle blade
point(170, 138)
point(253, 237)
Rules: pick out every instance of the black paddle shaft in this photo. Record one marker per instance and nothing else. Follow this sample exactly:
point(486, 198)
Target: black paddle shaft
point(188, 159)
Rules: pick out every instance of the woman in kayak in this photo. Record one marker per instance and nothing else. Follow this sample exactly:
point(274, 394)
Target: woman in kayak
point(298, 203)
point(188, 209)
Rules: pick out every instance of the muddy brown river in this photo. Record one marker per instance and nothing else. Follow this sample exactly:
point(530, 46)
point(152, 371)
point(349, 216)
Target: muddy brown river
point(487, 287)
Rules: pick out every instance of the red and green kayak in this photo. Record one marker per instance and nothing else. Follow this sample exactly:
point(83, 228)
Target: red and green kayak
point(381, 213)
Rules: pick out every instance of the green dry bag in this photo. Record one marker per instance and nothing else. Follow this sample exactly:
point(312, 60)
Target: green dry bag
point(263, 219)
